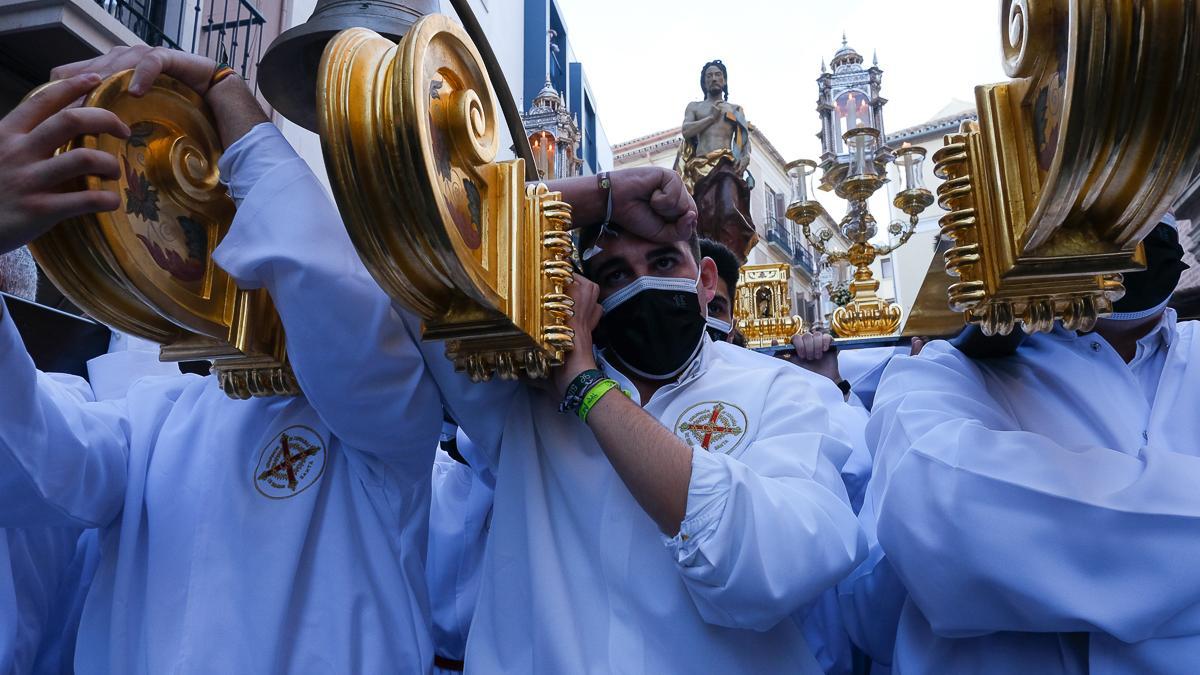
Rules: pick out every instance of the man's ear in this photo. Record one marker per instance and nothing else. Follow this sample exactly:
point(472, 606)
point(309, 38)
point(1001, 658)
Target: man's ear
point(708, 280)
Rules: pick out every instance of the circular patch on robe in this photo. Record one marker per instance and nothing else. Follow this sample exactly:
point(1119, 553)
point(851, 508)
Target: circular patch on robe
point(715, 426)
point(291, 463)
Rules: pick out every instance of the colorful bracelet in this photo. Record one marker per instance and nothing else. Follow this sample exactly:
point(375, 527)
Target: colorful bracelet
point(223, 71)
point(578, 387)
point(594, 395)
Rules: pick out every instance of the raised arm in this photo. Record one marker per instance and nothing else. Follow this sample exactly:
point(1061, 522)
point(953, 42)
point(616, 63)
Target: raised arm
point(62, 459)
point(353, 357)
point(992, 528)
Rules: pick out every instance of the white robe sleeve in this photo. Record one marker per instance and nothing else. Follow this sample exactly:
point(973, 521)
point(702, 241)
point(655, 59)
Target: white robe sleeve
point(351, 352)
point(62, 459)
point(481, 409)
point(996, 529)
point(769, 530)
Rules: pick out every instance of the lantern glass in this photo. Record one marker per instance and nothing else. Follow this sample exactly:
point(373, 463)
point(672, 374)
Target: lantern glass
point(800, 175)
point(862, 143)
point(911, 161)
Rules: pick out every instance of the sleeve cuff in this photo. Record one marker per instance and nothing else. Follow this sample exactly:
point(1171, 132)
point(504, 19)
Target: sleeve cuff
point(252, 157)
point(707, 493)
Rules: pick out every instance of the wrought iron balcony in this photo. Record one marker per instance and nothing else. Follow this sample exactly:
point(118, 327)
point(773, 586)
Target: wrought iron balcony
point(779, 235)
point(803, 259)
point(227, 31)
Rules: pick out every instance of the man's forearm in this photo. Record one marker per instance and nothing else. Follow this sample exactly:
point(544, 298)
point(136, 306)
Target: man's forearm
point(653, 463)
point(235, 108)
point(588, 201)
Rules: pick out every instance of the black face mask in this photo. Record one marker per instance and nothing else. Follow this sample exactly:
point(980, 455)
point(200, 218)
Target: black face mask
point(653, 326)
point(1164, 264)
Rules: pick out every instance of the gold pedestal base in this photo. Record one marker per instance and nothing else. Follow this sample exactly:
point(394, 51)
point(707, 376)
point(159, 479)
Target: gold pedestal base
point(871, 318)
point(867, 314)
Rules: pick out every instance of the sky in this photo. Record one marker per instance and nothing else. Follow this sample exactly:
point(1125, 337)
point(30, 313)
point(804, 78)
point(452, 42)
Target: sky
point(643, 58)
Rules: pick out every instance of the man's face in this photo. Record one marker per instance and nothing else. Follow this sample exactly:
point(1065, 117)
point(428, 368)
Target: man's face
point(714, 80)
point(721, 306)
point(624, 257)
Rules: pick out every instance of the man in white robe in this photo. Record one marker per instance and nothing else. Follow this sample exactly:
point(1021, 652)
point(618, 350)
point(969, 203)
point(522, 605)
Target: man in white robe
point(268, 535)
point(680, 526)
point(1039, 507)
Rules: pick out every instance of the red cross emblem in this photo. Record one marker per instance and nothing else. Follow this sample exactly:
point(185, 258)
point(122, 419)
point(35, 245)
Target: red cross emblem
point(293, 461)
point(713, 426)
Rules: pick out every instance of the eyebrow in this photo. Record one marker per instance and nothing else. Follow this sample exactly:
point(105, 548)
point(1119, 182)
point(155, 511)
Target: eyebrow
point(661, 251)
point(607, 266)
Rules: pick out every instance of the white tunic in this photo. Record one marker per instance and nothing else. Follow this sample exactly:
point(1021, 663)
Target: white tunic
point(1042, 513)
point(34, 567)
point(459, 518)
point(225, 547)
point(578, 579)
point(45, 571)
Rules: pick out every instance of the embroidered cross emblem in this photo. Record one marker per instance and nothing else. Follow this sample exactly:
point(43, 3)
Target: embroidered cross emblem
point(712, 428)
point(288, 461)
point(292, 462)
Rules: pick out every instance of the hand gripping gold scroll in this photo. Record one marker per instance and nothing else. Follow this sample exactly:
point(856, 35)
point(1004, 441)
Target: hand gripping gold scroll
point(147, 268)
point(1072, 163)
point(410, 133)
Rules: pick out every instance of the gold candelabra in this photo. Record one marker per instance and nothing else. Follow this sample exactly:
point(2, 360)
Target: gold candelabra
point(854, 178)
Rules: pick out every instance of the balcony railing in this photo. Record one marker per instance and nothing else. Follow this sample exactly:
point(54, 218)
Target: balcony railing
point(227, 31)
point(779, 235)
point(231, 35)
point(147, 20)
point(803, 259)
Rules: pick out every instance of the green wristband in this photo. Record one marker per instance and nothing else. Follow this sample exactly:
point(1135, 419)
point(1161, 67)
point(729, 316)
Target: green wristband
point(593, 395)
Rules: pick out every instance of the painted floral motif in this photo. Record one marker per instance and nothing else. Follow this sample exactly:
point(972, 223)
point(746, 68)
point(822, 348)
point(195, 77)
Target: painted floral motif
point(141, 199)
point(196, 242)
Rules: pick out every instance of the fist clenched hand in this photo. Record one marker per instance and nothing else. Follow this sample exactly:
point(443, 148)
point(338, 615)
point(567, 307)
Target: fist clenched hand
point(652, 203)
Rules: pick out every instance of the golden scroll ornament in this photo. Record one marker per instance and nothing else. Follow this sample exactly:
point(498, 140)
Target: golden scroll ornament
point(147, 269)
point(410, 133)
point(1072, 163)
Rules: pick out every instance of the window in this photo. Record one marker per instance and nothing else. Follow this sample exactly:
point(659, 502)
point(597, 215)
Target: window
point(885, 267)
point(589, 135)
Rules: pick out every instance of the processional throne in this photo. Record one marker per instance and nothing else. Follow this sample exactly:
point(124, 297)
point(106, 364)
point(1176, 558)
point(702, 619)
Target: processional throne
point(762, 306)
point(1049, 194)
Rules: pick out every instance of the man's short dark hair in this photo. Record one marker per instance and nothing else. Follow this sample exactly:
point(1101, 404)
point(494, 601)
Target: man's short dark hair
point(727, 263)
point(717, 63)
point(588, 234)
